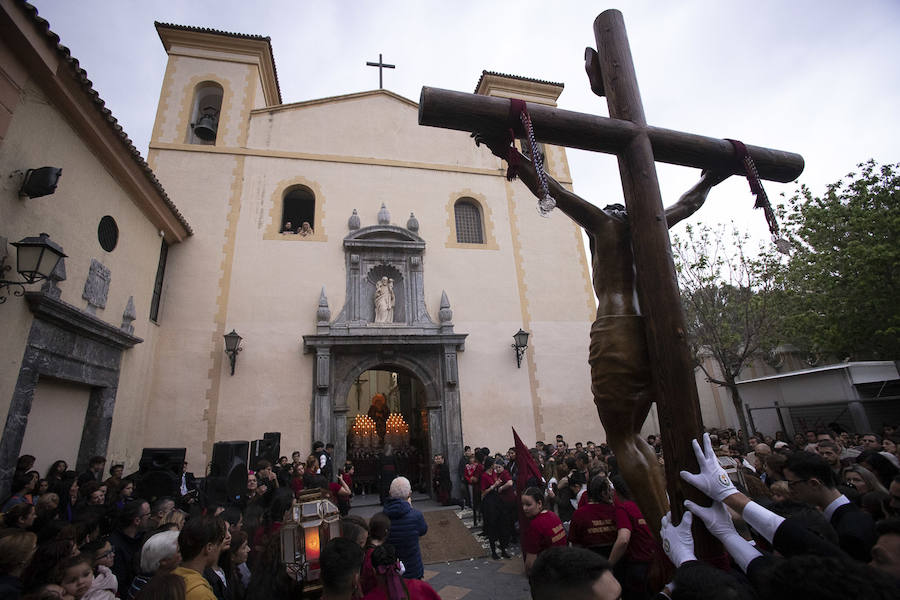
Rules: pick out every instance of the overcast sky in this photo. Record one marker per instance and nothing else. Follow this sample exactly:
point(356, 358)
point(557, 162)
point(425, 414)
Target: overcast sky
point(818, 77)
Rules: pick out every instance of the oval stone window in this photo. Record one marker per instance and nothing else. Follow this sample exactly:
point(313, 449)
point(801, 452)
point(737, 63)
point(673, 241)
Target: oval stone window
point(108, 233)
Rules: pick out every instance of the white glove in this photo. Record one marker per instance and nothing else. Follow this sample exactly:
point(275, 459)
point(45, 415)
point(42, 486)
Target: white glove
point(677, 542)
point(716, 518)
point(718, 521)
point(712, 480)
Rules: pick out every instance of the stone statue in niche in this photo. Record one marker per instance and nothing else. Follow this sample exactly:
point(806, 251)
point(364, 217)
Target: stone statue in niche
point(384, 300)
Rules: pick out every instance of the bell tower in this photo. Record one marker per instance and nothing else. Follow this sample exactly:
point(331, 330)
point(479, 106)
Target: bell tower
point(213, 80)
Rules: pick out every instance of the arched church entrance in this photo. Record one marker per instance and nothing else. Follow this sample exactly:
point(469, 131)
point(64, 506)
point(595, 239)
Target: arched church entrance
point(383, 329)
point(387, 412)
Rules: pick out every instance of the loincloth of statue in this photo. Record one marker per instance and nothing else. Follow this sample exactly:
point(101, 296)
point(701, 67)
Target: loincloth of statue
point(620, 371)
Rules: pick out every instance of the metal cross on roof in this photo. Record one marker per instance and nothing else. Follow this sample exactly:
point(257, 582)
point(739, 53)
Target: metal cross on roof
point(381, 65)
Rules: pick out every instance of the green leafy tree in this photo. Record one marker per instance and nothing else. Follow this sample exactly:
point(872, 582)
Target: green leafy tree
point(843, 277)
point(729, 298)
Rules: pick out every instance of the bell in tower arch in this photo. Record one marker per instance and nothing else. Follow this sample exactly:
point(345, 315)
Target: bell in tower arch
point(207, 124)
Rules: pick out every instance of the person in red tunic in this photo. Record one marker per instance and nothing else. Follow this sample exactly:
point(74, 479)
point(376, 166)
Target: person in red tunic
point(379, 529)
point(390, 585)
point(473, 472)
point(544, 527)
point(600, 525)
point(632, 570)
point(497, 523)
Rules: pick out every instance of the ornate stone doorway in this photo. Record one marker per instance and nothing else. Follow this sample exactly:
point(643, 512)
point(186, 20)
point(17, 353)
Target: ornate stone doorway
point(411, 343)
point(387, 406)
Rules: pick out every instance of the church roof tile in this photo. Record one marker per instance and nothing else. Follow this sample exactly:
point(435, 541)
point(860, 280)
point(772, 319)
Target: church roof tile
point(518, 77)
point(241, 36)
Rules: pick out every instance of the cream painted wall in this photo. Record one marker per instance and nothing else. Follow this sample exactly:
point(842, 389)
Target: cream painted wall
point(356, 152)
point(39, 135)
point(55, 423)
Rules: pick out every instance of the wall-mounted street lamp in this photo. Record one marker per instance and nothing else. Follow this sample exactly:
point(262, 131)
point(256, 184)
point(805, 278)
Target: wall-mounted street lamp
point(232, 347)
point(521, 339)
point(36, 257)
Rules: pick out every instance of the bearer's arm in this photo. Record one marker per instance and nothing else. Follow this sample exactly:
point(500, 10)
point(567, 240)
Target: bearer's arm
point(693, 199)
point(577, 208)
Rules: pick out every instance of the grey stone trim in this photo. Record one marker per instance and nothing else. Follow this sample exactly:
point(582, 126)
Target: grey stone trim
point(72, 345)
point(431, 358)
point(96, 286)
point(69, 317)
point(354, 343)
point(128, 316)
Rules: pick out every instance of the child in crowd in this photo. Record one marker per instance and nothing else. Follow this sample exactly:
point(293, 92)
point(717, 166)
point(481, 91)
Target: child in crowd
point(102, 556)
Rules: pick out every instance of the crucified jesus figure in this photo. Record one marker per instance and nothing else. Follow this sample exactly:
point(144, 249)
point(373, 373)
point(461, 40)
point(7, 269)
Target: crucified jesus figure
point(620, 370)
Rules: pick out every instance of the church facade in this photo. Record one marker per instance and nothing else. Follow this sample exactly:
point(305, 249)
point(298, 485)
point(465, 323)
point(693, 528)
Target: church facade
point(300, 210)
point(278, 222)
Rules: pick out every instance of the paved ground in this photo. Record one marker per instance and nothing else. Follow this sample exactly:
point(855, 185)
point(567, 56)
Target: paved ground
point(473, 579)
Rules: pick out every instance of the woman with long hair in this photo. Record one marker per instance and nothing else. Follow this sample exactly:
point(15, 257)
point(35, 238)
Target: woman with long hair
point(379, 529)
point(125, 494)
point(57, 471)
point(862, 479)
point(881, 467)
point(389, 585)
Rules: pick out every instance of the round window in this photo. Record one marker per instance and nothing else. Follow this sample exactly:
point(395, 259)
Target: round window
point(108, 233)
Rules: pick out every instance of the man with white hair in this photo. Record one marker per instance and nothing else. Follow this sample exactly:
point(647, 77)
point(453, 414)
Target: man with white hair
point(407, 526)
point(159, 553)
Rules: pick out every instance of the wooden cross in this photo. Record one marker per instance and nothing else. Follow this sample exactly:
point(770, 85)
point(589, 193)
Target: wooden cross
point(637, 146)
point(381, 65)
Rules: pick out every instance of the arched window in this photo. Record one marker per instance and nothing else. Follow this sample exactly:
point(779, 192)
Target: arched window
point(469, 228)
point(299, 207)
point(205, 113)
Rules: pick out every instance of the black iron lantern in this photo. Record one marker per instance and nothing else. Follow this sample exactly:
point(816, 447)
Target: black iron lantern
point(521, 343)
point(36, 257)
point(232, 347)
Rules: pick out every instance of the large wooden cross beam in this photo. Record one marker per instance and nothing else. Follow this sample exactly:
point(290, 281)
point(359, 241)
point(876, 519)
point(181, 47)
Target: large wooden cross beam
point(638, 146)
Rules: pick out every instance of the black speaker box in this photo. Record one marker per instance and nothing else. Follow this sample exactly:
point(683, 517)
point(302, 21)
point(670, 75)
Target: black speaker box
point(275, 438)
point(155, 459)
point(229, 463)
point(225, 454)
point(263, 449)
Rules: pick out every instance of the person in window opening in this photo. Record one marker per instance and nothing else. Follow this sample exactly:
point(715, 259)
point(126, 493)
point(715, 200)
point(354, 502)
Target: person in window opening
point(305, 229)
point(288, 227)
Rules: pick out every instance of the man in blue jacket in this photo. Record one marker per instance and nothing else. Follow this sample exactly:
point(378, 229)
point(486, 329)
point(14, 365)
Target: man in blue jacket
point(407, 526)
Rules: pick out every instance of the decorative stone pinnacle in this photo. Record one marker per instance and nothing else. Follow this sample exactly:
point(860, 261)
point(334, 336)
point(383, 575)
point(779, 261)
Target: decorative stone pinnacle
point(384, 217)
point(353, 221)
point(445, 314)
point(413, 223)
point(323, 313)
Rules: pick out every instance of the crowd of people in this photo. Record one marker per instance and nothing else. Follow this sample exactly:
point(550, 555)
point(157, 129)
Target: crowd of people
point(816, 514)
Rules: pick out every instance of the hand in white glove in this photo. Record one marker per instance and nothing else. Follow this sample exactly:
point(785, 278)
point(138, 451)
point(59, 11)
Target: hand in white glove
point(718, 521)
point(712, 479)
point(716, 518)
point(677, 541)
